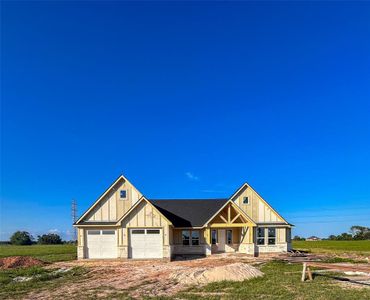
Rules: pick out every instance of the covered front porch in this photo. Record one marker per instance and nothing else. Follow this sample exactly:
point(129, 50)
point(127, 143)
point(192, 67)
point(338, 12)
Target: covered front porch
point(230, 230)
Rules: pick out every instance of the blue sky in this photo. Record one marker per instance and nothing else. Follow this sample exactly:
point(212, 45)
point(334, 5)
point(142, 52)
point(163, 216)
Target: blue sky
point(187, 100)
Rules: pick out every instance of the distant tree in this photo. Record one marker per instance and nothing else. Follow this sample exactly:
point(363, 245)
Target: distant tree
point(49, 239)
point(344, 237)
point(298, 238)
point(21, 238)
point(332, 237)
point(360, 232)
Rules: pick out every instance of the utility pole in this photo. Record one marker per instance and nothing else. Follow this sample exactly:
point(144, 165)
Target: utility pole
point(74, 218)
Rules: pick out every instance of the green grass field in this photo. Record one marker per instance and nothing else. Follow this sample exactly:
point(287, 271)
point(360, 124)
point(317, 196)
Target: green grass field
point(47, 253)
point(336, 247)
point(280, 281)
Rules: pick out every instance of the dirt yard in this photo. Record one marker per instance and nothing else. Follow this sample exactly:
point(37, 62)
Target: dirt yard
point(147, 277)
point(140, 278)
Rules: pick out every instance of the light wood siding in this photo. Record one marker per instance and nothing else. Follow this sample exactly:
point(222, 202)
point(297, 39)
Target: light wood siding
point(112, 207)
point(256, 208)
point(145, 216)
point(281, 235)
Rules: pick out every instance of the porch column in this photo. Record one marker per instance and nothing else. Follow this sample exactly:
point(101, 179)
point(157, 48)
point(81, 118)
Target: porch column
point(81, 248)
point(207, 241)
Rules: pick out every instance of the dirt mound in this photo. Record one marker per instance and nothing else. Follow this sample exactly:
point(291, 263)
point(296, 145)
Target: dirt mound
point(19, 262)
point(232, 272)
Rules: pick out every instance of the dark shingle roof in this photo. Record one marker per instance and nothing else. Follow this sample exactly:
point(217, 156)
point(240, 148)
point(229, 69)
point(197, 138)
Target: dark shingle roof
point(188, 212)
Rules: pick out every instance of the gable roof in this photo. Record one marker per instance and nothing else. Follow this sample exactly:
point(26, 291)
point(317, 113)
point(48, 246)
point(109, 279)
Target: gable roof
point(121, 177)
point(247, 185)
point(132, 208)
point(188, 212)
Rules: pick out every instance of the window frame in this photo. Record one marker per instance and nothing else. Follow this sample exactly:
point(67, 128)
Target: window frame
point(120, 194)
point(246, 198)
point(261, 237)
point(272, 238)
point(93, 232)
point(191, 240)
point(216, 237)
point(108, 232)
point(185, 239)
point(227, 237)
point(196, 239)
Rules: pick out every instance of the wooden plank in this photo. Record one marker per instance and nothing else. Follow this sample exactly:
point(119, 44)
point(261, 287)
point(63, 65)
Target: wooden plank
point(221, 225)
point(229, 214)
point(303, 278)
point(309, 273)
point(233, 220)
point(223, 218)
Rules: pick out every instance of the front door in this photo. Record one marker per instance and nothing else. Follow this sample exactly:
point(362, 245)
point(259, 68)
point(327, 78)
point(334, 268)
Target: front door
point(221, 240)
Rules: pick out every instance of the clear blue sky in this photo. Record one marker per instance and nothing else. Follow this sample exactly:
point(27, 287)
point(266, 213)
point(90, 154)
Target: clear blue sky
point(186, 100)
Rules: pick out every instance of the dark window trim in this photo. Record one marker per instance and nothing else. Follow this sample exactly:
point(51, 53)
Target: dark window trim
point(227, 238)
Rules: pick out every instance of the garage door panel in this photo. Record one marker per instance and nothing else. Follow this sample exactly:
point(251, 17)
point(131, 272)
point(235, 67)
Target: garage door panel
point(146, 243)
point(101, 244)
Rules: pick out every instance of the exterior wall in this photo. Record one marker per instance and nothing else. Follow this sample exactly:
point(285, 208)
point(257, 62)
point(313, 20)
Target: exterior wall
point(179, 248)
point(283, 242)
point(257, 208)
point(111, 207)
point(144, 216)
point(81, 248)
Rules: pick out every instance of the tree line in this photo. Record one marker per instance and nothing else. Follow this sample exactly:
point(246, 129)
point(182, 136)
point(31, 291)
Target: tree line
point(356, 233)
point(25, 238)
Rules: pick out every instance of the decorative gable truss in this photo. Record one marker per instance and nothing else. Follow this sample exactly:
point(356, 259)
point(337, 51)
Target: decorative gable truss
point(230, 215)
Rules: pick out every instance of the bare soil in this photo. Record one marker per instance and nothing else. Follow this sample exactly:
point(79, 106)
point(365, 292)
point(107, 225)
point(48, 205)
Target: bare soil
point(141, 278)
point(13, 262)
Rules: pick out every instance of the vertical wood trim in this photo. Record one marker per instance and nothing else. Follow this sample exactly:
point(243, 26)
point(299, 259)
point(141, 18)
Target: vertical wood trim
point(145, 215)
point(115, 197)
point(110, 199)
point(229, 214)
point(152, 214)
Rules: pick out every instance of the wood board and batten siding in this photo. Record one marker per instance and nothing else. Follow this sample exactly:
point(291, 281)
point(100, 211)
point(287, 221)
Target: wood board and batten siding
point(257, 208)
point(111, 207)
point(144, 216)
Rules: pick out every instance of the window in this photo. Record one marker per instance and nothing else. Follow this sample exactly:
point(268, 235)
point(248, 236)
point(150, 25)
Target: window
point(186, 237)
point(271, 236)
point(138, 231)
point(214, 237)
point(229, 236)
point(123, 194)
point(260, 236)
point(108, 232)
point(195, 237)
point(288, 235)
point(152, 231)
point(93, 232)
point(245, 200)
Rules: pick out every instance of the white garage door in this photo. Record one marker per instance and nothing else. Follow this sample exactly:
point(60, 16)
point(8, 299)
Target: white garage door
point(101, 244)
point(146, 243)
